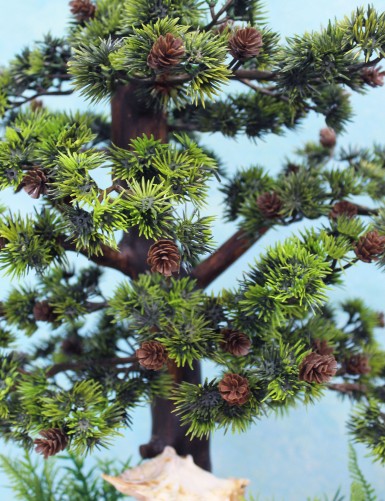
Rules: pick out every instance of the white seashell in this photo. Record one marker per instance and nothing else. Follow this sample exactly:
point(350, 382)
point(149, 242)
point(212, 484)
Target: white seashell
point(169, 477)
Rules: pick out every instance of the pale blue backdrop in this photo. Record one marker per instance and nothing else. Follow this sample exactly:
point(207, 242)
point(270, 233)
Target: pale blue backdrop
point(306, 453)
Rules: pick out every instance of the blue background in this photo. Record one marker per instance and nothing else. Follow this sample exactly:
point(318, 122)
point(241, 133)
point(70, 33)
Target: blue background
point(305, 453)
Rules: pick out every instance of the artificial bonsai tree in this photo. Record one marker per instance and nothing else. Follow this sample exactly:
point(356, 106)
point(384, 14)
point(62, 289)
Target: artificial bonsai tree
point(127, 192)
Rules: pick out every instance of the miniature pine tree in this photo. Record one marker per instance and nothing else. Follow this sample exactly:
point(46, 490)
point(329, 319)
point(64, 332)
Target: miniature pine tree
point(165, 67)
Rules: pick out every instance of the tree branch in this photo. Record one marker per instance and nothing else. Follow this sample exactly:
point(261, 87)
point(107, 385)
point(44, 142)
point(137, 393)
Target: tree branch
point(118, 259)
point(75, 366)
point(347, 388)
point(216, 16)
point(207, 271)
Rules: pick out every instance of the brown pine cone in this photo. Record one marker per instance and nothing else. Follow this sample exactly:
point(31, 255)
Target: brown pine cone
point(381, 319)
point(357, 365)
point(36, 104)
point(163, 257)
point(343, 208)
point(35, 183)
point(54, 441)
point(269, 204)
point(166, 52)
point(234, 389)
point(235, 342)
point(83, 10)
point(316, 368)
point(151, 355)
point(322, 348)
point(370, 246)
point(327, 137)
point(44, 312)
point(3, 243)
point(72, 345)
point(373, 76)
point(245, 43)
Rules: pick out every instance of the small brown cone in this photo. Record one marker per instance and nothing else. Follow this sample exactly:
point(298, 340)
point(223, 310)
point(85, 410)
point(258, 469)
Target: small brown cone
point(36, 105)
point(373, 76)
point(54, 441)
point(166, 52)
point(3, 243)
point(322, 348)
point(245, 43)
point(381, 319)
point(370, 246)
point(235, 342)
point(163, 257)
point(234, 389)
point(44, 312)
point(316, 368)
point(327, 137)
point(357, 365)
point(35, 183)
point(83, 10)
point(343, 208)
point(269, 204)
point(152, 355)
point(72, 345)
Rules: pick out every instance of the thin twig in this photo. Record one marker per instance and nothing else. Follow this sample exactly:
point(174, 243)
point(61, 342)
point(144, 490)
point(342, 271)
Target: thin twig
point(216, 16)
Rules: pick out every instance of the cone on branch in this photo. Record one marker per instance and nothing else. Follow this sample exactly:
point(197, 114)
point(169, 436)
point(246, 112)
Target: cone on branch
point(44, 312)
point(83, 10)
point(3, 243)
point(54, 441)
point(72, 345)
point(343, 208)
point(235, 342)
point(322, 348)
point(36, 105)
point(380, 319)
point(269, 204)
point(370, 246)
point(245, 43)
point(164, 257)
point(357, 365)
point(234, 389)
point(373, 76)
point(151, 355)
point(166, 52)
point(35, 183)
point(317, 368)
point(327, 137)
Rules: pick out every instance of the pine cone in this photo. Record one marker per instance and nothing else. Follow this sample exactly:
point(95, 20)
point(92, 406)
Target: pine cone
point(373, 76)
point(152, 355)
point(234, 389)
point(357, 365)
point(36, 104)
point(35, 183)
point(381, 319)
point(343, 208)
point(327, 137)
point(166, 52)
point(54, 441)
point(316, 368)
point(370, 246)
point(72, 345)
point(245, 43)
point(322, 348)
point(235, 342)
point(44, 312)
point(269, 204)
point(83, 10)
point(3, 243)
point(163, 257)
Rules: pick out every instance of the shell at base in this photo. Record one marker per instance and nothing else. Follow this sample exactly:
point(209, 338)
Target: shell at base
point(169, 477)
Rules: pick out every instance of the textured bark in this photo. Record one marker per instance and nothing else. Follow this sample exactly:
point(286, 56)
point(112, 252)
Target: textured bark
point(131, 119)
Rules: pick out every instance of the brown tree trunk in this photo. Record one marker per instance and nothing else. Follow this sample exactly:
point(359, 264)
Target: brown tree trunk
point(130, 119)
